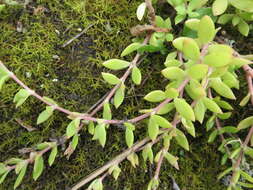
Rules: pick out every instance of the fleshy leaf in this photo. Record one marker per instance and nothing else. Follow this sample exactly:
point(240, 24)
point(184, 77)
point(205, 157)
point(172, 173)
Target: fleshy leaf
point(38, 166)
point(219, 7)
point(131, 48)
point(119, 96)
point(155, 96)
point(206, 30)
point(245, 123)
point(141, 11)
point(116, 64)
point(110, 78)
point(184, 109)
point(45, 115)
point(136, 76)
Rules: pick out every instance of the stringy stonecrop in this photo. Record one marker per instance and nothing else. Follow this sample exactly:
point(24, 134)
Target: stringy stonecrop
point(197, 67)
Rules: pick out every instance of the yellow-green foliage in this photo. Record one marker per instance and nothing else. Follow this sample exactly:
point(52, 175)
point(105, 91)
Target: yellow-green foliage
point(32, 56)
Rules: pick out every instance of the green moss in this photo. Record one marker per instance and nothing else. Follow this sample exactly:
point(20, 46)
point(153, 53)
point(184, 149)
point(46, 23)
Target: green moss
point(74, 81)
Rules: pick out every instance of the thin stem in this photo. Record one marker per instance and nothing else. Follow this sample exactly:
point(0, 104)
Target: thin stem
point(123, 79)
point(238, 162)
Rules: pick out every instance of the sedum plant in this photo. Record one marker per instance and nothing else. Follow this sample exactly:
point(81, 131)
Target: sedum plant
point(201, 76)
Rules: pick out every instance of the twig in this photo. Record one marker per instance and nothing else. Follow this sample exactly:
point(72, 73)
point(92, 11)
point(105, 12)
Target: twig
point(77, 36)
point(236, 166)
point(27, 127)
point(123, 78)
point(151, 12)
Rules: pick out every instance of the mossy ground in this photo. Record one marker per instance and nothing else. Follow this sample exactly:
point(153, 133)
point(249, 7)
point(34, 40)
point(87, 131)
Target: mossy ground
point(73, 79)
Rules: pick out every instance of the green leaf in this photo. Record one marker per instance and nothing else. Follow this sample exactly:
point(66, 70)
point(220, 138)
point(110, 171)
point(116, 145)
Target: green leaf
point(116, 64)
point(165, 109)
point(211, 105)
point(2, 177)
point(43, 145)
point(107, 114)
point(160, 22)
point(91, 128)
point(153, 184)
point(129, 136)
point(224, 115)
point(147, 153)
point(239, 62)
point(119, 96)
point(133, 158)
point(219, 7)
point(246, 176)
point(161, 121)
point(100, 134)
point(243, 27)
point(234, 153)
point(210, 123)
point(213, 136)
point(38, 166)
point(111, 79)
point(192, 24)
point(224, 19)
point(178, 43)
point(184, 109)
point(136, 76)
point(171, 93)
point(195, 90)
point(45, 115)
point(228, 129)
point(115, 171)
point(245, 123)
point(131, 48)
point(199, 111)
point(173, 73)
point(189, 126)
point(236, 19)
point(74, 141)
point(155, 96)
point(171, 56)
point(52, 155)
point(248, 185)
point(206, 30)
point(223, 104)
point(179, 18)
point(225, 172)
point(221, 88)
point(19, 166)
point(217, 59)
point(249, 151)
point(72, 127)
point(196, 4)
point(21, 97)
point(181, 139)
point(3, 79)
point(3, 168)
point(216, 48)
point(141, 11)
point(153, 128)
point(4, 72)
point(20, 176)
point(172, 160)
point(191, 49)
point(245, 5)
point(230, 80)
point(245, 100)
point(130, 126)
point(197, 71)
